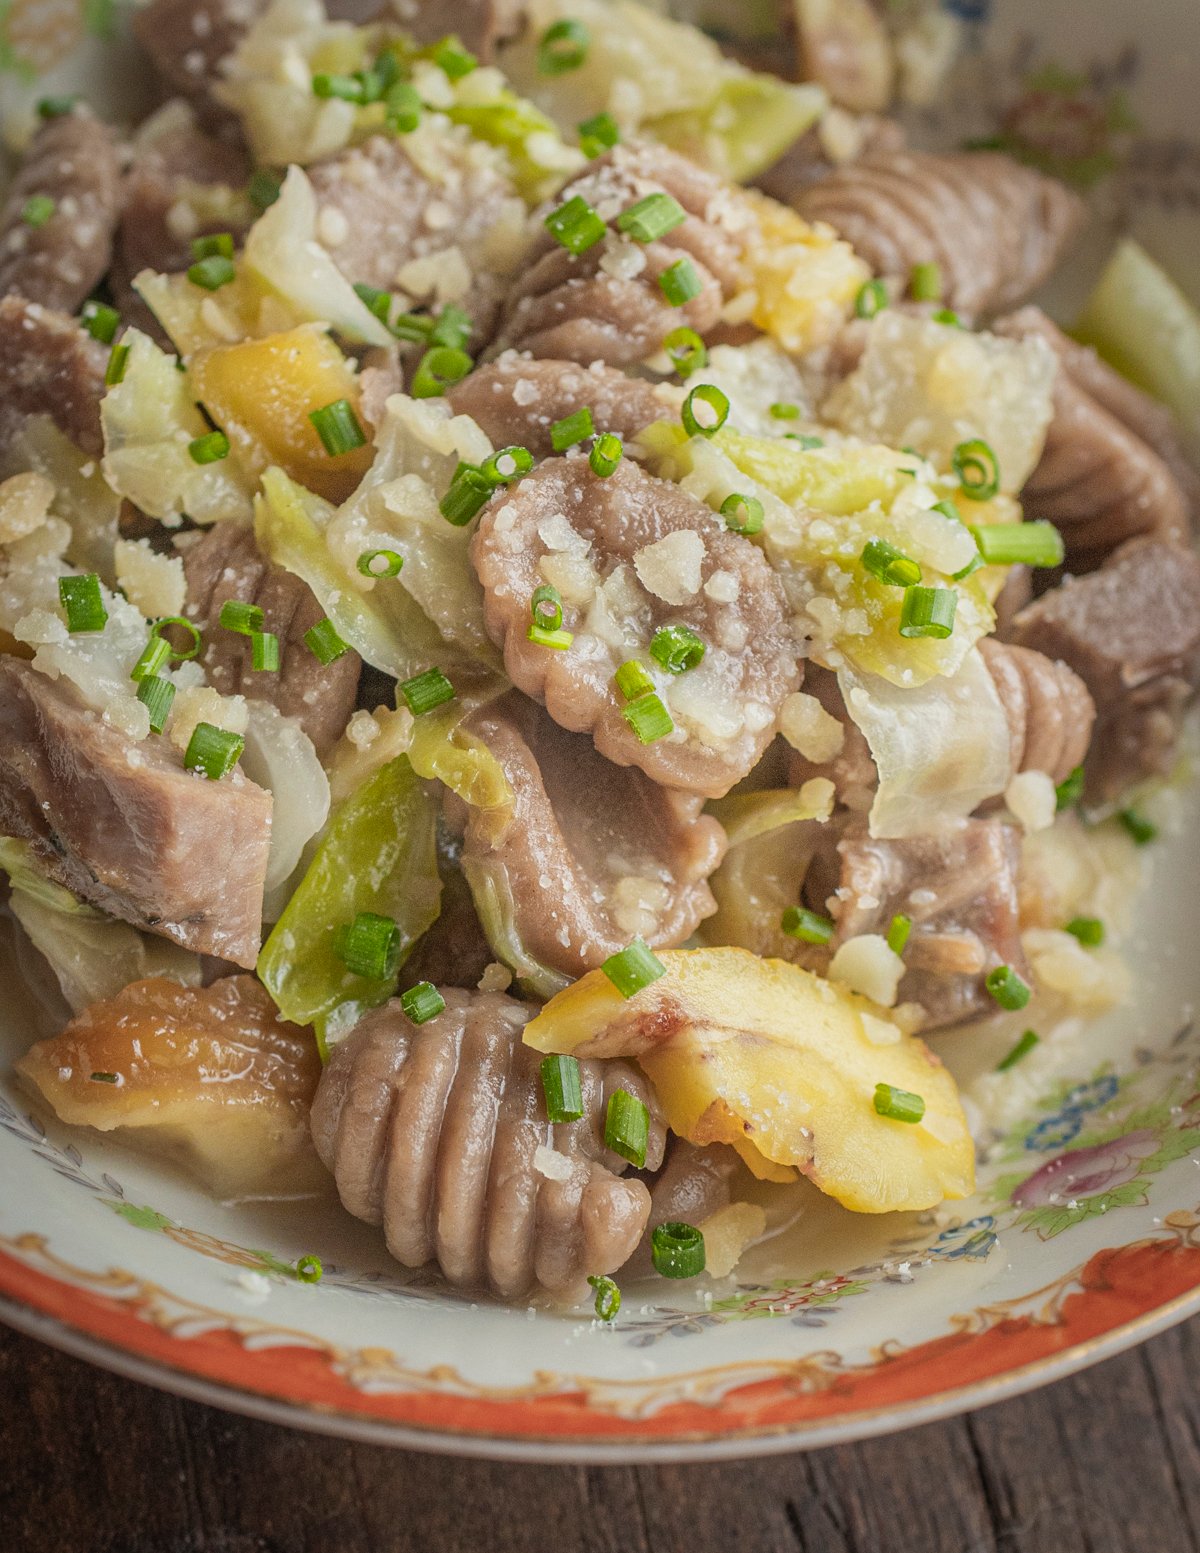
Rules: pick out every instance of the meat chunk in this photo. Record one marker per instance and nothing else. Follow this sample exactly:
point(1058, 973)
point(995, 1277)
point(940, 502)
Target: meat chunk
point(1050, 713)
point(188, 39)
point(125, 827)
point(593, 855)
point(50, 366)
point(72, 162)
point(1131, 631)
point(1097, 480)
point(479, 24)
point(517, 400)
point(434, 1132)
point(959, 887)
point(606, 304)
point(631, 554)
point(995, 229)
point(391, 224)
point(226, 564)
point(208, 1076)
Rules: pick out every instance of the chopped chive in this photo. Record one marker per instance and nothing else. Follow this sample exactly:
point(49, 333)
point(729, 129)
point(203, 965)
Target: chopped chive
point(415, 327)
point(178, 623)
point(327, 84)
point(633, 968)
point(264, 189)
point(422, 1002)
point(425, 691)
point(209, 449)
point(215, 245)
point(37, 210)
point(558, 640)
point(264, 652)
point(898, 933)
point(890, 565)
point(323, 641)
point(451, 327)
point(742, 514)
point(236, 615)
point(807, 443)
point(451, 58)
point(213, 751)
point(810, 927)
point(1019, 544)
point(1070, 790)
point(1088, 930)
point(546, 608)
point(470, 491)
point(627, 1127)
point(563, 46)
point(677, 649)
point(1009, 990)
point(947, 316)
point(977, 468)
point(632, 680)
point(928, 612)
point(872, 298)
point(717, 403)
point(118, 360)
point(438, 370)
point(561, 1088)
point(648, 718)
point(338, 427)
point(608, 1298)
point(575, 225)
point(925, 282)
point(380, 563)
point(369, 946)
point(785, 412)
point(378, 303)
point(677, 1250)
point(679, 282)
point(652, 218)
point(403, 108)
point(103, 1078)
point(1022, 1049)
point(605, 455)
point(1141, 829)
point(899, 1105)
point(100, 321)
point(598, 134)
point(81, 598)
point(156, 695)
point(154, 656)
point(309, 1269)
point(686, 350)
point(506, 466)
point(212, 273)
point(55, 107)
point(572, 429)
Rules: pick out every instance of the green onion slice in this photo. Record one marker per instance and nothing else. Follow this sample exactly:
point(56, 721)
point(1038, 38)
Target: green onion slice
point(507, 465)
point(810, 927)
point(598, 134)
point(422, 1002)
point(451, 58)
point(438, 370)
point(216, 244)
point(1019, 544)
point(209, 449)
point(742, 514)
point(948, 317)
point(562, 1089)
point(1009, 990)
point(157, 696)
point(632, 680)
point(977, 468)
point(1022, 1049)
point(563, 46)
point(633, 968)
point(1070, 790)
point(241, 617)
point(872, 298)
point(608, 1298)
point(928, 612)
point(677, 1250)
point(323, 641)
point(651, 218)
point(627, 1127)
point(37, 210)
point(572, 429)
point(178, 623)
point(900, 1105)
point(898, 933)
point(83, 603)
point(649, 718)
point(1088, 930)
point(154, 656)
point(426, 691)
point(890, 565)
point(558, 640)
point(470, 491)
point(785, 412)
point(1139, 827)
point(605, 455)
point(403, 108)
point(100, 321)
point(380, 563)
point(338, 427)
point(378, 303)
point(677, 648)
point(575, 225)
point(679, 282)
point(714, 402)
point(370, 946)
point(452, 328)
point(546, 608)
point(686, 350)
point(212, 273)
point(213, 751)
point(347, 88)
point(118, 360)
point(264, 652)
point(807, 443)
point(309, 1269)
point(925, 282)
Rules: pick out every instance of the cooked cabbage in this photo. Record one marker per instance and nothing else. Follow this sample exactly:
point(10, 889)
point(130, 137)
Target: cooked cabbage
point(280, 756)
point(82, 496)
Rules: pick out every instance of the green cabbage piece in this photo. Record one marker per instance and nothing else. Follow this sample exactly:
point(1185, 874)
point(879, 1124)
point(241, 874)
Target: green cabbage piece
point(538, 158)
point(746, 127)
point(378, 854)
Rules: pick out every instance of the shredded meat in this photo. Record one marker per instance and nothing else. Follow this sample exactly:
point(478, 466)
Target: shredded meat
point(995, 229)
point(1131, 632)
point(1097, 480)
point(1050, 713)
point(187, 41)
point(593, 854)
point(432, 1131)
point(590, 307)
point(516, 400)
point(50, 366)
point(73, 161)
point(595, 536)
point(125, 827)
point(226, 564)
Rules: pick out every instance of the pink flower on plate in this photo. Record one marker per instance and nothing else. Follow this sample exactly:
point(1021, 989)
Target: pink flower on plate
point(1085, 1172)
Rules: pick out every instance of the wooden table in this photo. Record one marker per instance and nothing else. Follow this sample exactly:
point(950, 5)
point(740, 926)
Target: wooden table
point(1107, 1462)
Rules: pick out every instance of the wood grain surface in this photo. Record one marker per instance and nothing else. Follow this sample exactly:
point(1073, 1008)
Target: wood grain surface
point(1106, 1462)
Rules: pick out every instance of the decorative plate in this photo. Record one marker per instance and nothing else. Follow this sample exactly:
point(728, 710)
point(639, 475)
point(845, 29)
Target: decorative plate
point(1083, 1238)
